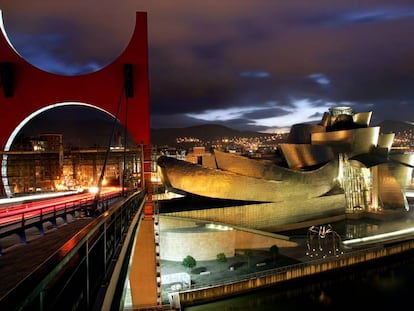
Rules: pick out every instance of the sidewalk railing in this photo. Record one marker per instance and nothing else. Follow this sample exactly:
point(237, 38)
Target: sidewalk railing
point(17, 220)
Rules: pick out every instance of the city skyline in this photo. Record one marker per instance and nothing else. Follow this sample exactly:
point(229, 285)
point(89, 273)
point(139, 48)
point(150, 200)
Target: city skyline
point(247, 65)
point(73, 121)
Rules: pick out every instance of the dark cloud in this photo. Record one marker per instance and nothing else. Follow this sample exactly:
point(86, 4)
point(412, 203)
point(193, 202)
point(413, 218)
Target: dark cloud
point(288, 59)
point(265, 113)
point(174, 121)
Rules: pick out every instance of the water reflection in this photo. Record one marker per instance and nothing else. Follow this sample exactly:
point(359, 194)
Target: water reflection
point(379, 287)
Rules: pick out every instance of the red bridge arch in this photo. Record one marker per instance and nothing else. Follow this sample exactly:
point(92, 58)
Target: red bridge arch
point(25, 89)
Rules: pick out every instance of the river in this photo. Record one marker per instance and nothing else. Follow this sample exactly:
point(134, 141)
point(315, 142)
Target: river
point(377, 288)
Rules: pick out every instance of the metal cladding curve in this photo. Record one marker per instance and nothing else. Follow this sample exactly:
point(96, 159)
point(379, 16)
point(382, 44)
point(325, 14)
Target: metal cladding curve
point(217, 183)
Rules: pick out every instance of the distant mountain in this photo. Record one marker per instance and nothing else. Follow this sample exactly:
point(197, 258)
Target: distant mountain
point(207, 132)
point(211, 132)
point(391, 126)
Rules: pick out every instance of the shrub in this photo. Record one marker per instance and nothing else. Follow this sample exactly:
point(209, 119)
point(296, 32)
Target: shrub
point(221, 257)
point(274, 250)
point(189, 262)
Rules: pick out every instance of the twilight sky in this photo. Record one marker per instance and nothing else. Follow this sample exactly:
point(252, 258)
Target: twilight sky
point(247, 64)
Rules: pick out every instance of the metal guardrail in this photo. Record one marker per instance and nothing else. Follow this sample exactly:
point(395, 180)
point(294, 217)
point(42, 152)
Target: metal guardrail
point(72, 278)
point(36, 217)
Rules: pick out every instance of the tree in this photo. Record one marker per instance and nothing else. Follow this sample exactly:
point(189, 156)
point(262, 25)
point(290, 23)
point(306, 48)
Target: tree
point(274, 250)
point(221, 257)
point(189, 262)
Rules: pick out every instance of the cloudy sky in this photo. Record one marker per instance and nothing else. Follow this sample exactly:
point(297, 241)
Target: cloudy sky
point(247, 64)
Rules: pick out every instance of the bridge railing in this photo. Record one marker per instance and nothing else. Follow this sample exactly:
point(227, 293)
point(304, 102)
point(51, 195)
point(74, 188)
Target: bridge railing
point(16, 220)
point(73, 277)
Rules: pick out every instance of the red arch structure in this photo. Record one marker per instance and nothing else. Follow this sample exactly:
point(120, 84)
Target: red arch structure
point(25, 89)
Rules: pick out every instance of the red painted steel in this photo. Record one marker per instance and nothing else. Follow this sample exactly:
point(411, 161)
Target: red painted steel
point(35, 89)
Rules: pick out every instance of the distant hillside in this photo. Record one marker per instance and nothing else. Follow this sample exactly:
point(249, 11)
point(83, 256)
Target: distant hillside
point(211, 132)
point(391, 126)
point(208, 132)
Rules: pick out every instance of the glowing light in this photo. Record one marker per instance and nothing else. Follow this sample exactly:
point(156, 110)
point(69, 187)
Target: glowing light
point(155, 178)
point(93, 189)
point(380, 236)
point(35, 197)
point(218, 227)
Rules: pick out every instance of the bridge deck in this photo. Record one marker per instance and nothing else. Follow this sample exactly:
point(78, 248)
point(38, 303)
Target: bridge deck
point(19, 260)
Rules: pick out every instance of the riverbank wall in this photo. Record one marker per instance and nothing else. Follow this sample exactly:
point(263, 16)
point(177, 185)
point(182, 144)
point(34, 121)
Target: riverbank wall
point(259, 280)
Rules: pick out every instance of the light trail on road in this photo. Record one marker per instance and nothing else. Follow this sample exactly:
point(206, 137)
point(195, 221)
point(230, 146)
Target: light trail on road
point(18, 212)
point(10, 201)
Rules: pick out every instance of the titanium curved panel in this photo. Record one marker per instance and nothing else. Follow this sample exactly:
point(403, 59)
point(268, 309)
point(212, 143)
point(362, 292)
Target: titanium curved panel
point(266, 169)
point(304, 155)
point(362, 118)
point(301, 133)
point(353, 142)
point(389, 190)
point(339, 141)
point(215, 183)
point(401, 168)
point(386, 140)
point(326, 120)
point(403, 158)
point(364, 140)
point(403, 174)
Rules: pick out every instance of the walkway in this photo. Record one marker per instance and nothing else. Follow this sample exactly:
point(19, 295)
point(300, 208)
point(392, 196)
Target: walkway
point(143, 274)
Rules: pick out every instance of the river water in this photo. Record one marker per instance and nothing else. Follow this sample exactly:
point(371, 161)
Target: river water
point(376, 286)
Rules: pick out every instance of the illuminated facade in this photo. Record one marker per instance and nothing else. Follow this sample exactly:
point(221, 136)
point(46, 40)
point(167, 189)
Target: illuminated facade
point(337, 166)
point(54, 170)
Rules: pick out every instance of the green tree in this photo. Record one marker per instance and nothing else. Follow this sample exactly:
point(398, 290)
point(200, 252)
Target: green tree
point(189, 262)
point(274, 250)
point(249, 254)
point(221, 257)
